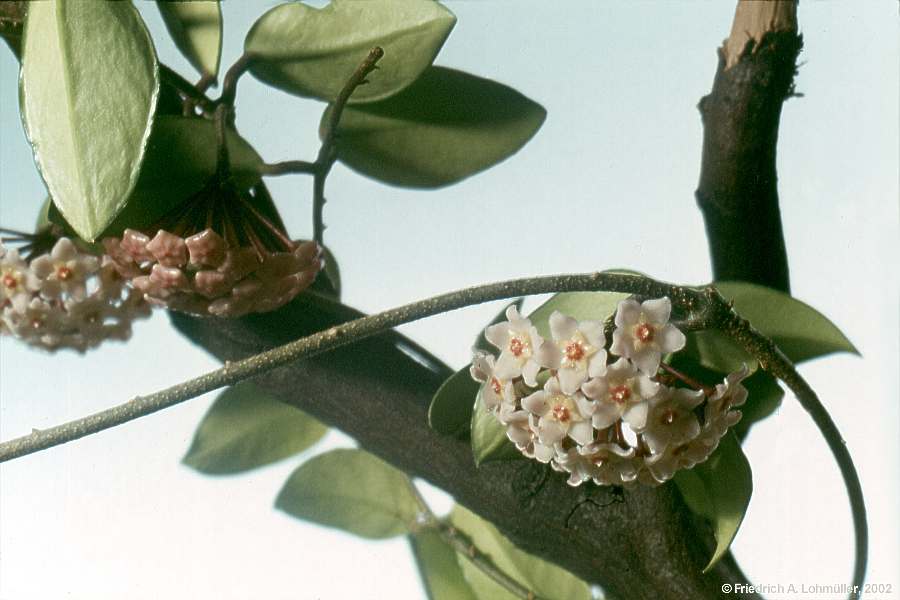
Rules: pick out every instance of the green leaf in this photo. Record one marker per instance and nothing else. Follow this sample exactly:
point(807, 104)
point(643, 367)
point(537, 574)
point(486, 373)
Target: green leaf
point(719, 489)
point(583, 306)
point(440, 571)
point(328, 282)
point(196, 29)
point(801, 331)
point(313, 52)
point(541, 577)
point(245, 428)
point(351, 490)
point(450, 412)
point(89, 87)
point(489, 441)
point(445, 127)
point(764, 396)
point(180, 161)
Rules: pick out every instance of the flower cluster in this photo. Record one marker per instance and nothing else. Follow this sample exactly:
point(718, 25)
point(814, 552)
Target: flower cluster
point(606, 416)
point(65, 298)
point(204, 274)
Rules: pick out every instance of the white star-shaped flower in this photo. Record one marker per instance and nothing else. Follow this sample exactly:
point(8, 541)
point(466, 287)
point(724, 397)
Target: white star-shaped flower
point(671, 420)
point(643, 333)
point(718, 414)
point(621, 392)
point(64, 270)
point(576, 351)
point(518, 342)
point(494, 391)
point(560, 414)
point(17, 281)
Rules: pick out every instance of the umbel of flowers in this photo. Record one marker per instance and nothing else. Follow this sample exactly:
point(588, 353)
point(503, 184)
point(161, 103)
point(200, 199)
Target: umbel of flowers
point(224, 253)
point(606, 416)
point(64, 298)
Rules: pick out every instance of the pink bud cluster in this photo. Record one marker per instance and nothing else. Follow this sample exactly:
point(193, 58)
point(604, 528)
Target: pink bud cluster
point(202, 274)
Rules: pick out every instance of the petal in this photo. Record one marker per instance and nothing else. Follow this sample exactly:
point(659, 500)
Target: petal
point(562, 328)
point(507, 367)
point(622, 344)
point(657, 311)
point(670, 339)
point(621, 370)
point(647, 360)
point(548, 355)
point(605, 414)
point(688, 399)
point(596, 388)
point(543, 452)
point(571, 379)
point(42, 266)
point(627, 313)
point(636, 415)
point(593, 333)
point(550, 432)
point(536, 403)
point(64, 250)
point(597, 364)
point(518, 435)
point(582, 432)
point(646, 388)
point(498, 335)
point(529, 372)
point(585, 407)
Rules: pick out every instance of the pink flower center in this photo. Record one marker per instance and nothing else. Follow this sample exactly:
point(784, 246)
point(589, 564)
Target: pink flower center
point(668, 417)
point(599, 460)
point(63, 273)
point(516, 346)
point(10, 282)
point(37, 323)
point(644, 332)
point(620, 394)
point(495, 385)
point(561, 413)
point(574, 351)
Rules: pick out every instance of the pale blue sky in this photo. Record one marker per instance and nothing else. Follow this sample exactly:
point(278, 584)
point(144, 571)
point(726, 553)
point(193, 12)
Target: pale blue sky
point(608, 182)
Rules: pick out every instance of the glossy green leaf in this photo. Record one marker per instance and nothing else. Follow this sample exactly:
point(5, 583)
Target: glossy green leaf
point(89, 87)
point(313, 52)
point(445, 127)
point(489, 441)
point(545, 579)
point(246, 428)
point(800, 331)
point(764, 396)
point(351, 490)
point(719, 489)
point(196, 28)
point(450, 412)
point(441, 574)
point(180, 161)
point(328, 283)
point(583, 306)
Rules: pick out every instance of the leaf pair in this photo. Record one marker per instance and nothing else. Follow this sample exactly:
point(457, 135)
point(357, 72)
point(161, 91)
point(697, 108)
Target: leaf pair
point(412, 124)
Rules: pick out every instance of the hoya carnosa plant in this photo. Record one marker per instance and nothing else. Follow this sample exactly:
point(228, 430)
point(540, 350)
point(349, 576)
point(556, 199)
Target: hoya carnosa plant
point(225, 253)
point(612, 416)
point(55, 295)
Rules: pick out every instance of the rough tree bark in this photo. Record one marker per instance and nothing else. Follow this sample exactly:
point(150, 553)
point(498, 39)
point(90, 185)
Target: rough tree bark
point(639, 543)
point(738, 191)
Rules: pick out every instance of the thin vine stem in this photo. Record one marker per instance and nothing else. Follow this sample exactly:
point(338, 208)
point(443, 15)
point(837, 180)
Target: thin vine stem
point(703, 308)
point(327, 154)
point(461, 543)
